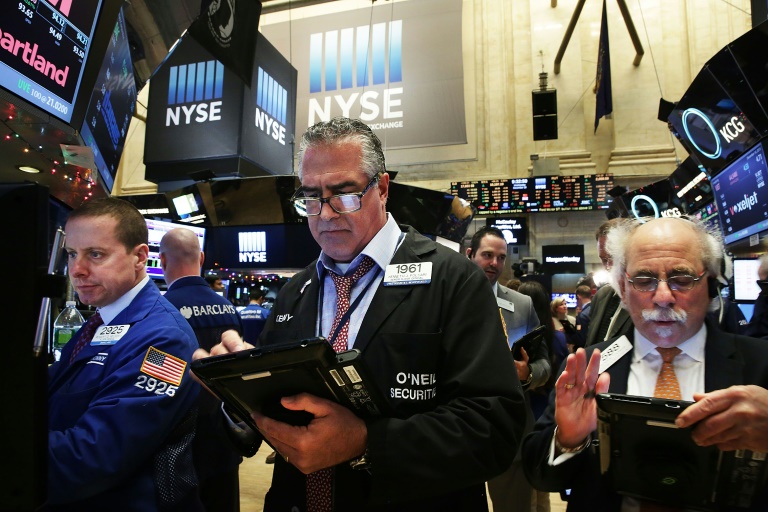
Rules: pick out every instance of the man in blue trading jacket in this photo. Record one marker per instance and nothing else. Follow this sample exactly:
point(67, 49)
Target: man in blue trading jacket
point(121, 409)
point(427, 325)
point(254, 316)
point(511, 491)
point(664, 270)
point(216, 461)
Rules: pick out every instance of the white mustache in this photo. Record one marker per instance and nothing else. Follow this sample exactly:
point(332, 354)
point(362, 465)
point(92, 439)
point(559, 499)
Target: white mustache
point(665, 315)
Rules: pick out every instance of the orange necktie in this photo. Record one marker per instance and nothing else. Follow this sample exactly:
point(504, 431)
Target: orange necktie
point(667, 385)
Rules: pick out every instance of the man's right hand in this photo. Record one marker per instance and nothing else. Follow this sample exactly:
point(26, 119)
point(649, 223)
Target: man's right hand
point(575, 404)
point(230, 342)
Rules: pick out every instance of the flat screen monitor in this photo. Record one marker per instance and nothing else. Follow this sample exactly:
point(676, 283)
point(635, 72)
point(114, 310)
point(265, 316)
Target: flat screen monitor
point(430, 212)
point(265, 246)
point(654, 200)
point(742, 196)
point(46, 50)
point(158, 228)
point(689, 182)
point(745, 288)
point(563, 259)
point(570, 299)
point(110, 110)
point(515, 229)
point(710, 125)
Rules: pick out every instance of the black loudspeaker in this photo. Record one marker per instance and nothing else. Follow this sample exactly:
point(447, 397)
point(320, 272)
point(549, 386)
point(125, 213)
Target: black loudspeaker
point(665, 109)
point(544, 114)
point(545, 127)
point(544, 102)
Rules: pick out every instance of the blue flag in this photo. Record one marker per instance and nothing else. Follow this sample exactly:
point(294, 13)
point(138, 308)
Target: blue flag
point(604, 98)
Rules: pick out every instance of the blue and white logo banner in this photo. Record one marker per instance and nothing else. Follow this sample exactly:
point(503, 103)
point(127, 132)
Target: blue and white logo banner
point(397, 67)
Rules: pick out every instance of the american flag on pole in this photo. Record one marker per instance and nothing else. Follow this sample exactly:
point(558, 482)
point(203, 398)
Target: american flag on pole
point(163, 366)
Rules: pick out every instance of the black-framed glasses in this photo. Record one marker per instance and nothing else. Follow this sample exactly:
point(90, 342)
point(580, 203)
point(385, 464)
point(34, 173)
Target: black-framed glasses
point(676, 283)
point(340, 203)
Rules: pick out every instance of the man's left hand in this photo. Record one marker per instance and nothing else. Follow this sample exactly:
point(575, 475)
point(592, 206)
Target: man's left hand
point(734, 418)
point(335, 435)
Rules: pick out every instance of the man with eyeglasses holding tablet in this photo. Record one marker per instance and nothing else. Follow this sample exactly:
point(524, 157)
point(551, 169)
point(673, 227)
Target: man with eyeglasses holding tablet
point(403, 301)
point(663, 270)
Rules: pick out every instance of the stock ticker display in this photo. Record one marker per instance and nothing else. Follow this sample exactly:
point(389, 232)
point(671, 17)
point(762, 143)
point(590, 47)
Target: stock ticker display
point(537, 194)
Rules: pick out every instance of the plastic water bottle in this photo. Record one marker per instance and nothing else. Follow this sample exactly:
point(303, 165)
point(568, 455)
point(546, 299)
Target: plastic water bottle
point(66, 325)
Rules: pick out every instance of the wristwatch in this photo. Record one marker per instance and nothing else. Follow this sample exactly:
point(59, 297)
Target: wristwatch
point(565, 449)
point(527, 382)
point(362, 462)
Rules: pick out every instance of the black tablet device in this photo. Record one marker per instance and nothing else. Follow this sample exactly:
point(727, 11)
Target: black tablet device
point(256, 379)
point(648, 457)
point(529, 341)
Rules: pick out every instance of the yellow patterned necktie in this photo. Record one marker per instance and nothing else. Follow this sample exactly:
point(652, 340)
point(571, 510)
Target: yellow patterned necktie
point(667, 385)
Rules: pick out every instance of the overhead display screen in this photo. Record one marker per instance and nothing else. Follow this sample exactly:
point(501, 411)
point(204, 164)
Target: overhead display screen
point(537, 194)
point(742, 196)
point(44, 45)
point(515, 229)
point(111, 107)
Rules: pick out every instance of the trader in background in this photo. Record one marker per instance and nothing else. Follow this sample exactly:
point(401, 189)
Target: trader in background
point(121, 403)
point(511, 491)
point(254, 316)
point(607, 319)
point(216, 460)
point(429, 330)
point(665, 270)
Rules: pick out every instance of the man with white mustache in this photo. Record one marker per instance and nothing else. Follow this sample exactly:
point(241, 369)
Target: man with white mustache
point(663, 269)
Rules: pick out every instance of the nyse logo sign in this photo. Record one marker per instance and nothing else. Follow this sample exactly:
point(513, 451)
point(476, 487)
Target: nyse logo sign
point(253, 246)
point(196, 91)
point(271, 103)
point(356, 58)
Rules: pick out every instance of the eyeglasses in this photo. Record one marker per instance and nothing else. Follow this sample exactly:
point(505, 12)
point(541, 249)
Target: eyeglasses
point(340, 203)
point(675, 283)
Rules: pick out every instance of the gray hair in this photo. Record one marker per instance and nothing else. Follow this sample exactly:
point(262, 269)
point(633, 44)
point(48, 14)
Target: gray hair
point(618, 239)
point(342, 130)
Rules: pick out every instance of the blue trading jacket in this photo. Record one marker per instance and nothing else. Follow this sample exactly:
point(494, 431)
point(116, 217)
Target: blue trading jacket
point(121, 416)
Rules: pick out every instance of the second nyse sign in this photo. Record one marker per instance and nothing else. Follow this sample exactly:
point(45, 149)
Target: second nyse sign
point(272, 104)
point(253, 247)
point(357, 58)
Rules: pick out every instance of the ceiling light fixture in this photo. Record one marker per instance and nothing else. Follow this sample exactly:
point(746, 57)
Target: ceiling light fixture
point(26, 168)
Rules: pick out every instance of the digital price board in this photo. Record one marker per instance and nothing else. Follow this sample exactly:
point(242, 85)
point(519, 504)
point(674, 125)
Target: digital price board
point(537, 194)
point(44, 50)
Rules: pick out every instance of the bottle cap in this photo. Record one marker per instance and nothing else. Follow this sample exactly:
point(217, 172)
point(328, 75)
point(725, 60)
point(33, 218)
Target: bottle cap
point(71, 303)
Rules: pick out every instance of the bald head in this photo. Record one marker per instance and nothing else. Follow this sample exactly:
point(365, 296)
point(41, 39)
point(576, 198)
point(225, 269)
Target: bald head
point(180, 254)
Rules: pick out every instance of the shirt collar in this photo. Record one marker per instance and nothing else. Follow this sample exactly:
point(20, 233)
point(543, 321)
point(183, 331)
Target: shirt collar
point(108, 313)
point(380, 249)
point(495, 288)
point(693, 347)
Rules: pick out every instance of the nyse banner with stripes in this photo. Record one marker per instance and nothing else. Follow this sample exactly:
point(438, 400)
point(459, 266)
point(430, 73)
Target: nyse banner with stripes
point(397, 67)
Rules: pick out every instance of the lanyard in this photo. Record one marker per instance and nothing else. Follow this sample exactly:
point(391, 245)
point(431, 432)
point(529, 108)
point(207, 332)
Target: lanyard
point(348, 314)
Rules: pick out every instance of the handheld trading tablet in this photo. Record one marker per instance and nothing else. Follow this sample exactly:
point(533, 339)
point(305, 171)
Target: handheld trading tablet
point(529, 341)
point(647, 456)
point(256, 379)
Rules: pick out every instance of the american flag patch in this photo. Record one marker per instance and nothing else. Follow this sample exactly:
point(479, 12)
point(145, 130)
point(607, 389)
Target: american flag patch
point(163, 366)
